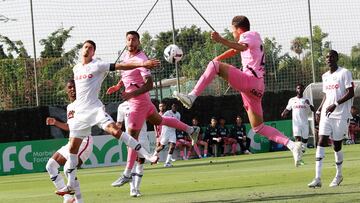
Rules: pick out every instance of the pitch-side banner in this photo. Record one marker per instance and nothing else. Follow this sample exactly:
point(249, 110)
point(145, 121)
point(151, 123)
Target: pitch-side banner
point(32, 156)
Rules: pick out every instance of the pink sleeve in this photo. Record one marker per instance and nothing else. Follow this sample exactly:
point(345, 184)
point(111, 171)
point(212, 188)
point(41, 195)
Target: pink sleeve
point(246, 39)
point(144, 71)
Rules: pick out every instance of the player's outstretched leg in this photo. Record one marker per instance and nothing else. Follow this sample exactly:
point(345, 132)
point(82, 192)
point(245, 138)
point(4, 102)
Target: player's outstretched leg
point(188, 99)
point(276, 136)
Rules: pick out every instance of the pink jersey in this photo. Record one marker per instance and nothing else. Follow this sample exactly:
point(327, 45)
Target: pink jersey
point(133, 79)
point(253, 58)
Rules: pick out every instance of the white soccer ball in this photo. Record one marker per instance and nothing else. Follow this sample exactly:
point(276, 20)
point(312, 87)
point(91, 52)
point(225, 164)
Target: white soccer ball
point(173, 53)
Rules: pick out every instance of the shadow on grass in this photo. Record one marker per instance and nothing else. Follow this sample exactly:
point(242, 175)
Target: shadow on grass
point(280, 197)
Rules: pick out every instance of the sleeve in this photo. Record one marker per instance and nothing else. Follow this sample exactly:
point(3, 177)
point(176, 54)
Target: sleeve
point(348, 81)
point(120, 115)
point(144, 72)
point(102, 66)
point(323, 85)
point(289, 105)
point(246, 39)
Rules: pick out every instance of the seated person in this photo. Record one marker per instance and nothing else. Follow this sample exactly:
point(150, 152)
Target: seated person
point(238, 131)
point(200, 141)
point(212, 137)
point(182, 142)
point(225, 135)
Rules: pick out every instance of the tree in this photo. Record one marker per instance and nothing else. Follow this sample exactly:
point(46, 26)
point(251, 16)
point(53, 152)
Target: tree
point(299, 44)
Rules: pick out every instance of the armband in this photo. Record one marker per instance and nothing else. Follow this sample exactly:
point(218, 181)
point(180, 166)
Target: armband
point(112, 66)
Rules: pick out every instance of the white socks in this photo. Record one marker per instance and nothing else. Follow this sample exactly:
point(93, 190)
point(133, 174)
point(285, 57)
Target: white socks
point(52, 168)
point(339, 157)
point(138, 176)
point(320, 154)
point(168, 158)
point(290, 145)
point(132, 143)
point(70, 169)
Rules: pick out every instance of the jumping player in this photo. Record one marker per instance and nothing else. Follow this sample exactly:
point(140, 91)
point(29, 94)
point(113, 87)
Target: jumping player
point(89, 110)
point(334, 113)
point(141, 107)
point(249, 81)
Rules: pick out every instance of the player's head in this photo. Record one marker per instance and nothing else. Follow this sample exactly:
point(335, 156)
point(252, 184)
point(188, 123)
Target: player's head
point(332, 58)
point(222, 121)
point(213, 121)
point(239, 25)
point(162, 107)
point(132, 41)
point(174, 107)
point(88, 49)
point(354, 111)
point(238, 120)
point(195, 121)
point(70, 90)
point(300, 89)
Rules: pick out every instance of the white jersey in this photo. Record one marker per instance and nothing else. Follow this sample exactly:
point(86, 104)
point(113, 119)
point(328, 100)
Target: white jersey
point(168, 130)
point(334, 87)
point(88, 79)
point(123, 116)
point(300, 110)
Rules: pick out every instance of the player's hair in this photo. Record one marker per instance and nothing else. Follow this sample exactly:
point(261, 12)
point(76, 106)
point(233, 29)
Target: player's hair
point(300, 84)
point(90, 42)
point(241, 22)
point(238, 116)
point(70, 81)
point(213, 118)
point(335, 53)
point(133, 33)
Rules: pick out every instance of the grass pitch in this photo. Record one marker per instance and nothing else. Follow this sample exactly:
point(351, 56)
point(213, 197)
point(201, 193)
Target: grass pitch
point(267, 177)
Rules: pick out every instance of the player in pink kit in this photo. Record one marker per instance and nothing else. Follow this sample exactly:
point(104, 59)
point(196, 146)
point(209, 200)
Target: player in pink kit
point(141, 107)
point(249, 81)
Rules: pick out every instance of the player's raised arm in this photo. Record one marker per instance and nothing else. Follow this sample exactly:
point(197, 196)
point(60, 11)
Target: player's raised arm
point(59, 124)
point(149, 64)
point(237, 46)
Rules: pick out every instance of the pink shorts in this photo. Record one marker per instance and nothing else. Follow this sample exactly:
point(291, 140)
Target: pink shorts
point(140, 109)
point(250, 87)
point(180, 142)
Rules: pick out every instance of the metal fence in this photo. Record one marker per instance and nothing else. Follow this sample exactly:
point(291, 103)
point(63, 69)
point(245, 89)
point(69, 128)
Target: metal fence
point(51, 31)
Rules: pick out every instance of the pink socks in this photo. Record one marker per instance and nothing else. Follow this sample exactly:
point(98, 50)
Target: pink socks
point(271, 133)
point(211, 71)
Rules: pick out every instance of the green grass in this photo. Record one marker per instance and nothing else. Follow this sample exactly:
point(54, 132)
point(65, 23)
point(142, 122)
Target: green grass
point(268, 177)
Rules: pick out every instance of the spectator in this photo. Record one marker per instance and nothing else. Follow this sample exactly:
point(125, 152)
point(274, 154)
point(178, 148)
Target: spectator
point(238, 131)
point(211, 136)
point(200, 141)
point(225, 134)
point(182, 142)
point(354, 126)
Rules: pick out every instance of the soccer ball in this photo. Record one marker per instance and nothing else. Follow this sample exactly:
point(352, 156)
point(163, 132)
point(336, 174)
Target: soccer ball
point(173, 53)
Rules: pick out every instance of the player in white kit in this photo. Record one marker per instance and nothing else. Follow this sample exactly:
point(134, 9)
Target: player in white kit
point(168, 136)
point(300, 107)
point(89, 110)
point(59, 157)
point(134, 169)
point(334, 114)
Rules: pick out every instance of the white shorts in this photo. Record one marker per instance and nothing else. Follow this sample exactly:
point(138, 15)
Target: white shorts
point(81, 124)
point(301, 131)
point(335, 128)
point(167, 137)
point(85, 149)
point(144, 141)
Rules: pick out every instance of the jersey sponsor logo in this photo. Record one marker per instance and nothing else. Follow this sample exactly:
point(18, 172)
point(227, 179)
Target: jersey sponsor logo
point(299, 107)
point(332, 86)
point(70, 115)
point(256, 93)
point(83, 76)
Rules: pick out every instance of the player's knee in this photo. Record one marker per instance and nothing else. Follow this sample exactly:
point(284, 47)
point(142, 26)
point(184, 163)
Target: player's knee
point(258, 128)
point(141, 160)
point(337, 146)
point(215, 65)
